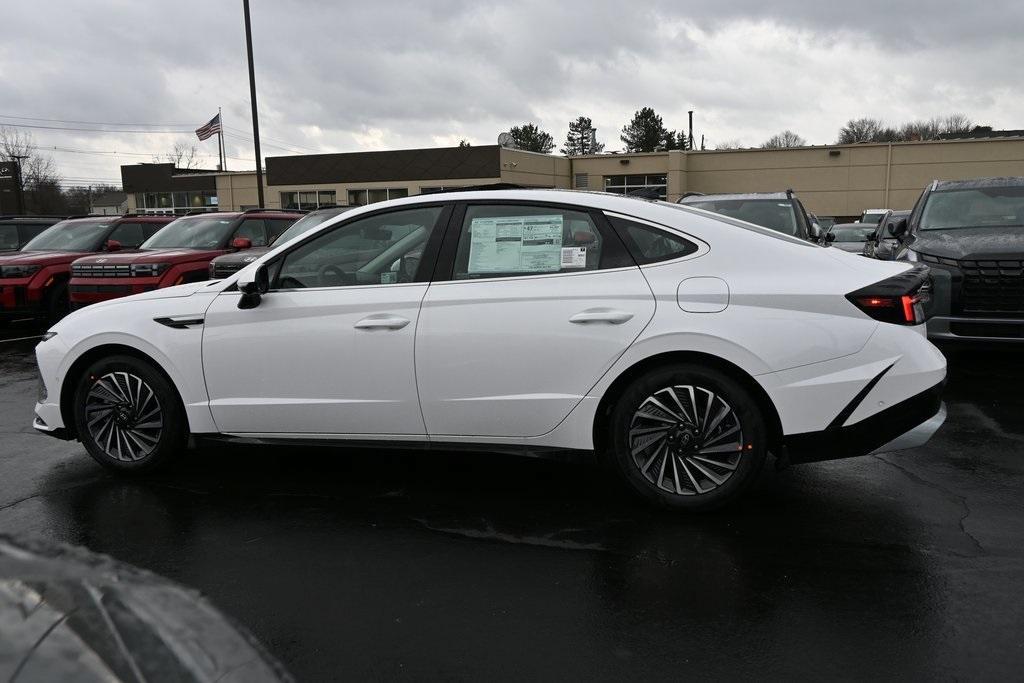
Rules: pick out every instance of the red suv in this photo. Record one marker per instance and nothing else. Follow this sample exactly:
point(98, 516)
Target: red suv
point(34, 280)
point(179, 253)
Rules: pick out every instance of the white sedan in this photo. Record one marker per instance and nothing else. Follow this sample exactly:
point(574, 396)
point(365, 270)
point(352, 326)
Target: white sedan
point(677, 346)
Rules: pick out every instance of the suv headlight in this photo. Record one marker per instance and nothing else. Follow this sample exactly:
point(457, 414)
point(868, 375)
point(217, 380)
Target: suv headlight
point(18, 271)
point(149, 269)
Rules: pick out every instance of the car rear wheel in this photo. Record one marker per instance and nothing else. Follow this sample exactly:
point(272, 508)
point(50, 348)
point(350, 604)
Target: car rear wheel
point(687, 437)
point(128, 415)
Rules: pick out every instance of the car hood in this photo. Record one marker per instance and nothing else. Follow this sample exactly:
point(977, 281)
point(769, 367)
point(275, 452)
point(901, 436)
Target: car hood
point(243, 256)
point(971, 243)
point(39, 258)
point(154, 256)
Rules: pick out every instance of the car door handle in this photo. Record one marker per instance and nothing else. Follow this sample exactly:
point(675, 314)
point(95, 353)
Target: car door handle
point(382, 322)
point(601, 315)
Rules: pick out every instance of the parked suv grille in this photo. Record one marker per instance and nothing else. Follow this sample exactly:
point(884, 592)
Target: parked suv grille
point(993, 287)
point(98, 270)
point(221, 270)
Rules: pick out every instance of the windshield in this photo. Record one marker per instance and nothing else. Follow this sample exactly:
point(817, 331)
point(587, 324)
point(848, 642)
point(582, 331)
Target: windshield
point(201, 232)
point(984, 207)
point(307, 223)
point(852, 233)
point(774, 214)
point(71, 236)
point(871, 218)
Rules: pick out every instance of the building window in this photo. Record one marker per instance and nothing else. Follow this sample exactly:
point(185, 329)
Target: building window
point(581, 181)
point(308, 199)
point(439, 188)
point(363, 197)
point(624, 184)
point(175, 202)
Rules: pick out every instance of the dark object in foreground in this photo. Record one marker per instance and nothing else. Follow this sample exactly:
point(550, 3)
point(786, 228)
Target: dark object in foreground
point(69, 615)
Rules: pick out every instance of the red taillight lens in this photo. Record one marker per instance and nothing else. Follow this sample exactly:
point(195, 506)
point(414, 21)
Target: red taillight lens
point(899, 300)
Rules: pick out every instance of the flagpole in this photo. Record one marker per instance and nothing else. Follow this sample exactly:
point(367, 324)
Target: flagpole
point(220, 143)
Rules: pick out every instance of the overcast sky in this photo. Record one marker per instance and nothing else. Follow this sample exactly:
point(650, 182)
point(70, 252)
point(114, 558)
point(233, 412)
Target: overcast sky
point(347, 76)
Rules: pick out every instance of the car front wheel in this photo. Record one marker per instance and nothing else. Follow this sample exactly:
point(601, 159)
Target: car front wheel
point(687, 437)
point(128, 415)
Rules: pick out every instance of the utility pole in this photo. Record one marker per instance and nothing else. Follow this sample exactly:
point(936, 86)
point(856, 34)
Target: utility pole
point(252, 99)
point(17, 158)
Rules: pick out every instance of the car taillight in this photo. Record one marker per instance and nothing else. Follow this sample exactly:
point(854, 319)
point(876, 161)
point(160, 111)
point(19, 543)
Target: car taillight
point(899, 300)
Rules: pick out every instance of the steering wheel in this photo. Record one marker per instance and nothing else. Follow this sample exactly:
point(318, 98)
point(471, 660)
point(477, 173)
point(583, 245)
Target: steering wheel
point(331, 275)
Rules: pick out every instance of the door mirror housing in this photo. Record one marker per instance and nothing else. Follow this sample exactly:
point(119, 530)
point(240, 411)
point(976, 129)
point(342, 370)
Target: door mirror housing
point(113, 245)
point(899, 230)
point(241, 243)
point(815, 231)
point(830, 237)
point(253, 286)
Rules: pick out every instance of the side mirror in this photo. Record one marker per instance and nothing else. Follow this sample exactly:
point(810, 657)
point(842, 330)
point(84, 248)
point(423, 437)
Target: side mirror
point(815, 231)
point(113, 245)
point(253, 286)
point(899, 230)
point(241, 243)
point(830, 237)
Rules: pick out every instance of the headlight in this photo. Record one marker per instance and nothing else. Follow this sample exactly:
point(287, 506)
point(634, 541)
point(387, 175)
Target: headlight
point(18, 271)
point(149, 269)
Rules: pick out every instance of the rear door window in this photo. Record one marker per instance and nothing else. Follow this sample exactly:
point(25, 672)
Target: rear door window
point(647, 244)
point(275, 226)
point(9, 238)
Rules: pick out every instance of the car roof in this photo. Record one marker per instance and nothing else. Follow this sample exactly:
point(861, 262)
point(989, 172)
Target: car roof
point(733, 196)
point(1000, 181)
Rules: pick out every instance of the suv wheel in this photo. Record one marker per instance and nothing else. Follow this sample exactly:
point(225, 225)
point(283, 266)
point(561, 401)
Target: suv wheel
point(687, 437)
point(128, 415)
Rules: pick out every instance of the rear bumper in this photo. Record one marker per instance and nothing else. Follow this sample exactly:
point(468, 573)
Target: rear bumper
point(965, 329)
point(907, 424)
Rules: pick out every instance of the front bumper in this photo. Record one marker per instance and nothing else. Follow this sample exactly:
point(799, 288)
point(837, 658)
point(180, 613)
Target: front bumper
point(947, 328)
point(907, 424)
point(83, 291)
point(18, 301)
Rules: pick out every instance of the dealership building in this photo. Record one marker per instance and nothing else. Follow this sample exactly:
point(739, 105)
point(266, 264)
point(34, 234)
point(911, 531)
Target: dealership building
point(831, 180)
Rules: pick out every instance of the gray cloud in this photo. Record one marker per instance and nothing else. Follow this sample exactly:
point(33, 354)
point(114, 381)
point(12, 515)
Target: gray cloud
point(346, 76)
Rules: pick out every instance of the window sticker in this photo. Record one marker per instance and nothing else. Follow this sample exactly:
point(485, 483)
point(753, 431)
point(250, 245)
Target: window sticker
point(516, 244)
point(574, 257)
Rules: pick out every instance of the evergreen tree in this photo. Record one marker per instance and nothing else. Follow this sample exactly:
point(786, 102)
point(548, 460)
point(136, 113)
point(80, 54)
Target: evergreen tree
point(645, 133)
point(532, 139)
point(581, 138)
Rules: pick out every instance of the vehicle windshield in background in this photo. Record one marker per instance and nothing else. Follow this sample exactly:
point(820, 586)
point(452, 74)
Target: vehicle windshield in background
point(982, 207)
point(871, 218)
point(191, 233)
point(67, 236)
point(852, 233)
point(304, 224)
point(8, 236)
point(774, 214)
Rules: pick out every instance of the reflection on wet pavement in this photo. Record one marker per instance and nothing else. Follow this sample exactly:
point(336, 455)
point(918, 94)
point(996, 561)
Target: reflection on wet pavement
point(377, 564)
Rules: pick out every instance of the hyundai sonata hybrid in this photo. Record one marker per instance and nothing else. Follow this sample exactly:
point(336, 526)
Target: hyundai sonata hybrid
point(675, 345)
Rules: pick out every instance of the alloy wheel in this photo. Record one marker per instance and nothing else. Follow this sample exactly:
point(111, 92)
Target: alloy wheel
point(686, 440)
point(123, 416)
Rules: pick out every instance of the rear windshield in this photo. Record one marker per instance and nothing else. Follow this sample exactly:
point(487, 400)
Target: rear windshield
point(774, 214)
point(8, 236)
point(983, 207)
point(852, 233)
point(76, 235)
point(201, 232)
point(750, 227)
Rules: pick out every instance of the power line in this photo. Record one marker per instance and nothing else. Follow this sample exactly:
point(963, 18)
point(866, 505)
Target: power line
point(94, 123)
point(98, 152)
point(95, 130)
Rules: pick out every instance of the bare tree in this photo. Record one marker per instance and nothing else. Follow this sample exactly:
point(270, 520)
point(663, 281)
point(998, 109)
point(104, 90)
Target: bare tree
point(36, 168)
point(786, 138)
point(860, 130)
point(956, 124)
point(729, 144)
point(182, 155)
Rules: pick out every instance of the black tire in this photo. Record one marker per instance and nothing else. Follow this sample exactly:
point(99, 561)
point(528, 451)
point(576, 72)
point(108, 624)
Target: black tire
point(682, 472)
point(115, 381)
point(58, 304)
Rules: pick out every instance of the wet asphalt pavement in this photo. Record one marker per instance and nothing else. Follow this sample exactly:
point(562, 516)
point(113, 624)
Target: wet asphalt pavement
point(379, 564)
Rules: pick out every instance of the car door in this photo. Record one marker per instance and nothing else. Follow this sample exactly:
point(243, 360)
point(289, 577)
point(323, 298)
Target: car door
point(329, 349)
point(532, 303)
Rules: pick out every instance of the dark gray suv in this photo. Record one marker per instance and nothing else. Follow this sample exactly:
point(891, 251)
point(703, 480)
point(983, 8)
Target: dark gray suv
point(971, 234)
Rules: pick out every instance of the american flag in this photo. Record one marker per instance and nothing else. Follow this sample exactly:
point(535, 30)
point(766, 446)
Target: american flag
point(209, 128)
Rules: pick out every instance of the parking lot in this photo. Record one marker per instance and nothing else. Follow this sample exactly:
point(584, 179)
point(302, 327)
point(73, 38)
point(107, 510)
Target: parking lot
point(375, 564)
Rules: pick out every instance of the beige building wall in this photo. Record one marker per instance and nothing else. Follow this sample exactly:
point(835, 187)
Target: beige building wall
point(840, 180)
point(534, 169)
